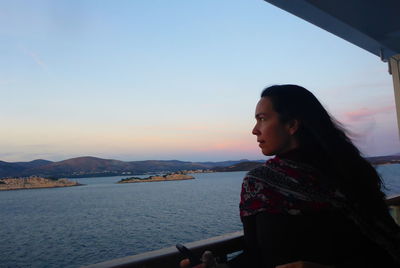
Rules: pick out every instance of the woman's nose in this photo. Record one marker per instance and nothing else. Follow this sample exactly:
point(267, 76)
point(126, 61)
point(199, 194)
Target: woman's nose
point(255, 131)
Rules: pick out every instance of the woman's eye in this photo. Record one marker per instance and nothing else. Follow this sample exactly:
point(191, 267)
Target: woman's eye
point(262, 119)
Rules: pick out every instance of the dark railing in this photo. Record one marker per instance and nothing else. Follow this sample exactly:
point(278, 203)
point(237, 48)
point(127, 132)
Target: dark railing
point(394, 206)
point(221, 246)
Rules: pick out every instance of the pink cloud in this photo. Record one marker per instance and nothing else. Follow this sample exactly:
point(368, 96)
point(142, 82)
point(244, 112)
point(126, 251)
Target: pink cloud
point(362, 113)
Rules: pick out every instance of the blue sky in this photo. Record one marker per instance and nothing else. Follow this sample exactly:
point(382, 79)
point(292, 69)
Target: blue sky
point(136, 80)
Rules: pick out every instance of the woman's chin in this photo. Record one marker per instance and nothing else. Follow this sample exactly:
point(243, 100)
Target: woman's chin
point(267, 152)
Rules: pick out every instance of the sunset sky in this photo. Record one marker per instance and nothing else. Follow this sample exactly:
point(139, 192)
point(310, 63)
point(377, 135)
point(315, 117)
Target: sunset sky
point(138, 80)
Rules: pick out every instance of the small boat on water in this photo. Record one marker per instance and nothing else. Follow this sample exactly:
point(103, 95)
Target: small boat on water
point(371, 25)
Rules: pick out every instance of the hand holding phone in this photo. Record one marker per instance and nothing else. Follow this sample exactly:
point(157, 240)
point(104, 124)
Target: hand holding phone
point(194, 260)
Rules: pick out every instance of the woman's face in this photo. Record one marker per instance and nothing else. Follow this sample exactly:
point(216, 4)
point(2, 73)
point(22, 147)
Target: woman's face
point(273, 136)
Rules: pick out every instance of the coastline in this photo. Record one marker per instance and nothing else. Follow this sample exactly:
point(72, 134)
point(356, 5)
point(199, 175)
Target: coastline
point(386, 163)
point(11, 184)
point(167, 177)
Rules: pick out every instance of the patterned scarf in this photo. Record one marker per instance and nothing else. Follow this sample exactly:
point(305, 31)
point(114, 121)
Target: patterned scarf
point(283, 186)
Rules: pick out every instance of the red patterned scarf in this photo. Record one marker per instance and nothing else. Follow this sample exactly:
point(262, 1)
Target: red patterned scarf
point(283, 186)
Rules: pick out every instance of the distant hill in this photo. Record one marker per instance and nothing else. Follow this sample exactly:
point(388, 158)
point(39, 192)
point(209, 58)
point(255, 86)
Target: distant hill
point(89, 166)
point(34, 163)
point(227, 163)
point(9, 169)
point(243, 166)
point(386, 159)
point(249, 165)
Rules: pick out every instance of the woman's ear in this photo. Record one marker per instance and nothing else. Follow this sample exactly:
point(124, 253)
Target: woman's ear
point(293, 126)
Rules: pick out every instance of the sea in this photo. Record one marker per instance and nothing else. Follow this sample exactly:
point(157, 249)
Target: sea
point(103, 220)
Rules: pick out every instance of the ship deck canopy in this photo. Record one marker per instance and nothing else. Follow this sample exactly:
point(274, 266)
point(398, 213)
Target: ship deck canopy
point(370, 24)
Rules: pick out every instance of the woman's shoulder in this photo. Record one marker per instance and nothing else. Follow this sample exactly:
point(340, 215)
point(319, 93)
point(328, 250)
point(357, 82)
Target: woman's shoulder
point(284, 172)
point(282, 187)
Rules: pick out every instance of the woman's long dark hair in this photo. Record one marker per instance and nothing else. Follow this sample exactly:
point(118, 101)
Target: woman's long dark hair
point(324, 138)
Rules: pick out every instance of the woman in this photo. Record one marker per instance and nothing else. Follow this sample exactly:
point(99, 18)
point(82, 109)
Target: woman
point(317, 203)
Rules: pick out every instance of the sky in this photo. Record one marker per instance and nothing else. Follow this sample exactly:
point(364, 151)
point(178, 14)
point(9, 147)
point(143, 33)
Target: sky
point(139, 80)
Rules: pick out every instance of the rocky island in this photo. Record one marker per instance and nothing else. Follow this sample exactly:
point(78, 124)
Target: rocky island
point(34, 183)
point(167, 177)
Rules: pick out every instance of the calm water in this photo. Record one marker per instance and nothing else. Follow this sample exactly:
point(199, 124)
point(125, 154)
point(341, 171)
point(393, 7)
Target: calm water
point(70, 227)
